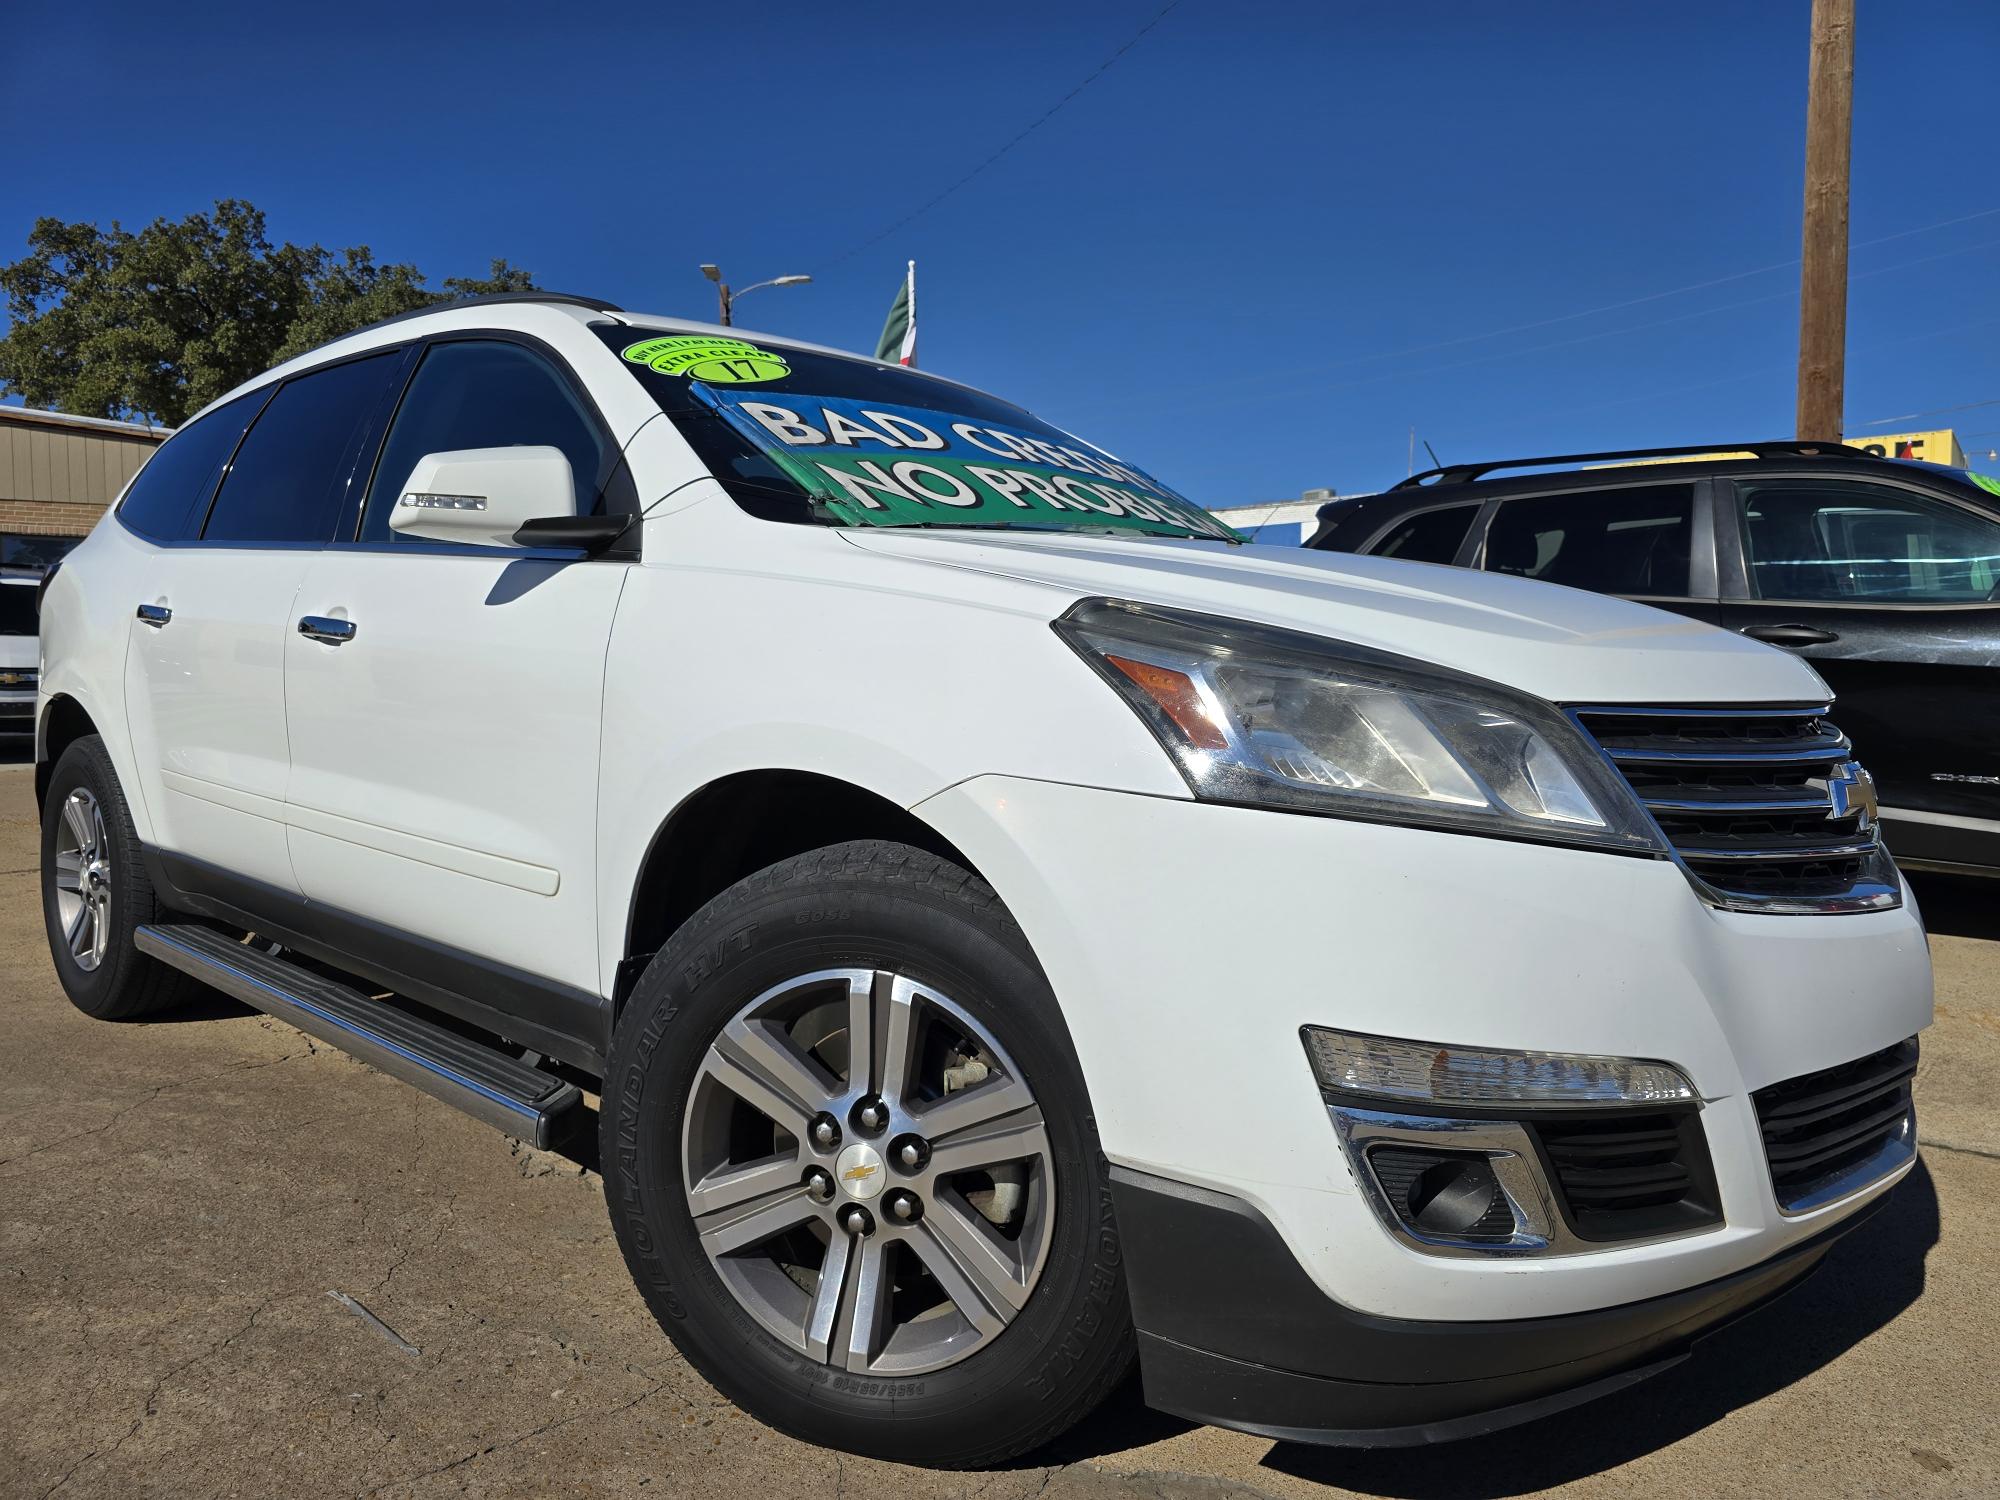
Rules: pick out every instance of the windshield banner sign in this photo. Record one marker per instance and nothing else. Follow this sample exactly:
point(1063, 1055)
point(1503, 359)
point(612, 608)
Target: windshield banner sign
point(879, 464)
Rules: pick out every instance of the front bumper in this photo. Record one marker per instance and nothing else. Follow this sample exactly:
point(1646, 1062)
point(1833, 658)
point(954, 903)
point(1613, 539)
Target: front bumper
point(1233, 1333)
point(1188, 943)
point(17, 712)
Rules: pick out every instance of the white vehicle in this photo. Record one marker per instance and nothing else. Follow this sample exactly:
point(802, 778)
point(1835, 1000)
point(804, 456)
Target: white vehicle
point(1011, 925)
point(20, 654)
point(24, 562)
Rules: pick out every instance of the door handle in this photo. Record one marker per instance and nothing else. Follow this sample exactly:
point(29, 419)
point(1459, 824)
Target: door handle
point(326, 631)
point(1791, 635)
point(154, 615)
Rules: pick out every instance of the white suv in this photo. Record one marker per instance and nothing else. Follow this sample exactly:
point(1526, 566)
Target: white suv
point(1010, 924)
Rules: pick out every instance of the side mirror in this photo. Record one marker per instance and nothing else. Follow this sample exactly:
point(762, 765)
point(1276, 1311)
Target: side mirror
point(483, 495)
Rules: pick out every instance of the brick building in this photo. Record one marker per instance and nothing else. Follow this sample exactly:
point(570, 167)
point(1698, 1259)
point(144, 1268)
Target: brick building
point(58, 473)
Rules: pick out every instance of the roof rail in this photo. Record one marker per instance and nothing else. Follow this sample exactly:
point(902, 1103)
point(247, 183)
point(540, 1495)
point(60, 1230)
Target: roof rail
point(1462, 473)
point(489, 299)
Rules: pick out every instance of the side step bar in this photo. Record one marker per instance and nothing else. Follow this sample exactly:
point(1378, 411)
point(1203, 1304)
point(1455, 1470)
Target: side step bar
point(485, 1082)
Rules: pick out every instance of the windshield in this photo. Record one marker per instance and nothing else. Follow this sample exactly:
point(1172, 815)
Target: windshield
point(800, 436)
point(17, 607)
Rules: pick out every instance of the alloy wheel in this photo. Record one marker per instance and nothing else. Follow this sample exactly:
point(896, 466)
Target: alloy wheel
point(868, 1172)
point(83, 879)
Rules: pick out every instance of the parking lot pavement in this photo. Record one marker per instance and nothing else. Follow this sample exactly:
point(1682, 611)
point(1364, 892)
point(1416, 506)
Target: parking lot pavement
point(179, 1199)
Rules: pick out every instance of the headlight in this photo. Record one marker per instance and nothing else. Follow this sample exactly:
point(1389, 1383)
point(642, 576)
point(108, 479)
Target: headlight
point(1269, 717)
point(1381, 1067)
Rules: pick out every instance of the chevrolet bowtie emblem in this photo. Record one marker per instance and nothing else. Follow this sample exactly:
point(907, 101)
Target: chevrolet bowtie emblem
point(1850, 790)
point(859, 1173)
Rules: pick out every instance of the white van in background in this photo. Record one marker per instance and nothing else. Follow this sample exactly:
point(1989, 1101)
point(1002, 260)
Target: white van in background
point(24, 562)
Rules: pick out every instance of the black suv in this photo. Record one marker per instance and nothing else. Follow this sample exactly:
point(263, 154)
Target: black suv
point(1884, 573)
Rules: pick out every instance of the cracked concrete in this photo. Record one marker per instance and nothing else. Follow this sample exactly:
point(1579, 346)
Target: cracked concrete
point(177, 1198)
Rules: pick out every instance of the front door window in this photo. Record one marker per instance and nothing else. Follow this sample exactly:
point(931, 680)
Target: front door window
point(1860, 543)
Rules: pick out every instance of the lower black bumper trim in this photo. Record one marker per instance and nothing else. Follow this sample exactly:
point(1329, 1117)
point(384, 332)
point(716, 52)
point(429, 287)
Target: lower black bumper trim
point(1291, 1408)
point(1233, 1332)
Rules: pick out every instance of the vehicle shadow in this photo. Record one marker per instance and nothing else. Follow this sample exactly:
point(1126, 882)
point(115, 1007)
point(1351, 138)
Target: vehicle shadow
point(1122, 1423)
point(1959, 905)
point(1865, 1281)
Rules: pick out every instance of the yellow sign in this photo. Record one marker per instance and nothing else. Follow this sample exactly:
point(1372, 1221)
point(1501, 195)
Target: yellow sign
point(1939, 447)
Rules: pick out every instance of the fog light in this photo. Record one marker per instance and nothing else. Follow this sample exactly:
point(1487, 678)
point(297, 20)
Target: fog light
point(1444, 1195)
point(1380, 1067)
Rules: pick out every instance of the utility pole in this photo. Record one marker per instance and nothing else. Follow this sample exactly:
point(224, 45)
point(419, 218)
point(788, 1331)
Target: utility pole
point(721, 293)
point(1823, 262)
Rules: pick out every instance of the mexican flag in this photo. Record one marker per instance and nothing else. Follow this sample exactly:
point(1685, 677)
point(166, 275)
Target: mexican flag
point(899, 334)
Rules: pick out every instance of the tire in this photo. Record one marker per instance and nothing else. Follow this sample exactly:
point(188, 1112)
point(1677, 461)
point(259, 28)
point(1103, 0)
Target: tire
point(950, 1388)
point(103, 974)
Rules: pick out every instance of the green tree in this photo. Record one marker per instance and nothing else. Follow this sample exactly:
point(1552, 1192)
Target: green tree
point(109, 323)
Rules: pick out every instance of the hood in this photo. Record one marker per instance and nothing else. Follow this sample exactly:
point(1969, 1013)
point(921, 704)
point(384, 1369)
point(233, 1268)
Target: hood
point(1561, 644)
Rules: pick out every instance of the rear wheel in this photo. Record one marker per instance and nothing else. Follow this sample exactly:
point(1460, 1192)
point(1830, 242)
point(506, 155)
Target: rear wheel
point(850, 1161)
point(95, 893)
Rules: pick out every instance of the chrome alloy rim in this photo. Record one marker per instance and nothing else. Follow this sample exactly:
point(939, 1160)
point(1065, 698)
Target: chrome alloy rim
point(83, 879)
point(868, 1172)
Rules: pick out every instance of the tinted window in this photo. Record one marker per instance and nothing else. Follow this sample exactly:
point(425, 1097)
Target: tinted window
point(36, 554)
point(1810, 540)
point(484, 395)
point(289, 480)
point(1428, 536)
point(1623, 541)
point(166, 500)
point(17, 608)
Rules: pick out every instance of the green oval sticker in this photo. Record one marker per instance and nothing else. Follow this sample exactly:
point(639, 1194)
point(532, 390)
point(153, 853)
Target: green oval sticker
point(1984, 481)
point(719, 361)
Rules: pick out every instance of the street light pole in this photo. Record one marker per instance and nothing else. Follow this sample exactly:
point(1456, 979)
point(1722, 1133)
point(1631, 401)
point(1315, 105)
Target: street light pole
point(726, 299)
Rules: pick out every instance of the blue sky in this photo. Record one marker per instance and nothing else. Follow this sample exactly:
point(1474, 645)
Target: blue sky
point(1248, 256)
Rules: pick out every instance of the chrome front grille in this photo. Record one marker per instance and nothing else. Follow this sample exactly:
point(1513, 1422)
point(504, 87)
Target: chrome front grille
point(1765, 807)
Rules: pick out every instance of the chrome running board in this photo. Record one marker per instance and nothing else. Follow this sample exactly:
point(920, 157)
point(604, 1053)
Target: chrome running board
point(485, 1082)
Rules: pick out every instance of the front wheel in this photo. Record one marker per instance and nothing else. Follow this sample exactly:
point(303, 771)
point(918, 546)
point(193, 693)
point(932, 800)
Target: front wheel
point(849, 1157)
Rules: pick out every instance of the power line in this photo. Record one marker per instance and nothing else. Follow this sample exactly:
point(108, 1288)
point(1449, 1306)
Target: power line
point(1757, 373)
point(1021, 135)
point(1269, 376)
point(1205, 396)
point(1935, 411)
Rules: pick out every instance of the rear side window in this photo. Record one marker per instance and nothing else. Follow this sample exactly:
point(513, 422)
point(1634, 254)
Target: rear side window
point(1624, 541)
point(1431, 536)
point(289, 482)
point(484, 394)
point(1811, 540)
point(165, 501)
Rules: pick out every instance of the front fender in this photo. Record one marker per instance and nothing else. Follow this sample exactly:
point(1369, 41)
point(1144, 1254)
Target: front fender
point(843, 675)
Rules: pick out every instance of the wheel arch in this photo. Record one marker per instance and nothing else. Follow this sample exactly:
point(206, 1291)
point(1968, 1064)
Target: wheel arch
point(62, 724)
point(741, 823)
